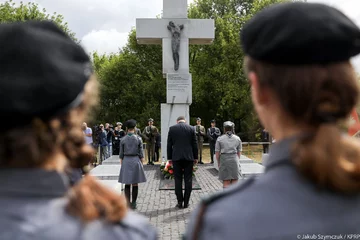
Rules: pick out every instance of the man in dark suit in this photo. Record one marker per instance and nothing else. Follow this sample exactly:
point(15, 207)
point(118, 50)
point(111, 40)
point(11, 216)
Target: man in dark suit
point(182, 152)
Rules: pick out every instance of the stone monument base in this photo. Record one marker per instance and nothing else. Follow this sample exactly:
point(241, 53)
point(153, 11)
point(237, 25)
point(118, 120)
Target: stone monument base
point(169, 114)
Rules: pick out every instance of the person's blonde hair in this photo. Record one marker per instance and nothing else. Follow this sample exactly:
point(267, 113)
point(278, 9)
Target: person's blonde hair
point(319, 96)
point(30, 146)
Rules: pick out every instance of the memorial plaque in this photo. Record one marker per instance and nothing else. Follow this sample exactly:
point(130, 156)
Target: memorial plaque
point(179, 88)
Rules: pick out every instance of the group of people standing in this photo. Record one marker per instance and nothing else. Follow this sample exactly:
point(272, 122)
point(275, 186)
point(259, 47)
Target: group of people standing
point(303, 87)
point(107, 140)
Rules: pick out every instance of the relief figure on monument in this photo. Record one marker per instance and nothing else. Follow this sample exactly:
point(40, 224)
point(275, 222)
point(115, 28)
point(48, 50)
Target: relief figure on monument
point(175, 41)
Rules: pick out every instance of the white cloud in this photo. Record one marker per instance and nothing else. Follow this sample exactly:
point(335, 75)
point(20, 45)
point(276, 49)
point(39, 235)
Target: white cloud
point(104, 41)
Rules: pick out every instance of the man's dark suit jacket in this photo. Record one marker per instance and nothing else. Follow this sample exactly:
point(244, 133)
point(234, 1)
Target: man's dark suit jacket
point(182, 143)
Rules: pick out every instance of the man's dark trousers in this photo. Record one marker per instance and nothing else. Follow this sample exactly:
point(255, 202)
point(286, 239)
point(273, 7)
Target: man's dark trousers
point(212, 150)
point(178, 176)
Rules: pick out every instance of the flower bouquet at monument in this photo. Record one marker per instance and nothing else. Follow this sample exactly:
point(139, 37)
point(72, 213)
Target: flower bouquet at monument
point(195, 168)
point(167, 170)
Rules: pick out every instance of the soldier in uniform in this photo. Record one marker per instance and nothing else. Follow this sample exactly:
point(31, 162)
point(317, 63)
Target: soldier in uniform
point(302, 85)
point(200, 133)
point(213, 133)
point(149, 134)
point(121, 132)
point(118, 134)
point(43, 106)
point(228, 150)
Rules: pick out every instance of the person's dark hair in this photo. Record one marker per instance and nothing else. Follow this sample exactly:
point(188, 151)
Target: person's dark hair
point(319, 96)
point(30, 146)
point(180, 118)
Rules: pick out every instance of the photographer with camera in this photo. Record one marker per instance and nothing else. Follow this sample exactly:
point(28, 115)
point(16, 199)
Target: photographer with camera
point(109, 137)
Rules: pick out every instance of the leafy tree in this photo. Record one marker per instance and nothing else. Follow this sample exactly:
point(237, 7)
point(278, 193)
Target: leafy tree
point(11, 12)
point(131, 83)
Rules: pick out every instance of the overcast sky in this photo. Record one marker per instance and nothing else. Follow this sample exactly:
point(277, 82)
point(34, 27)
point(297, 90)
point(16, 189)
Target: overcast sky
point(103, 25)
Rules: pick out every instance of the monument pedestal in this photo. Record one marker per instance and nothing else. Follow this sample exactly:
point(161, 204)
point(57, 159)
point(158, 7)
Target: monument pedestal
point(169, 114)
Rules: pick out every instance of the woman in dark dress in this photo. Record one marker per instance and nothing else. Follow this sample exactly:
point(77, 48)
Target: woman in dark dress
point(131, 159)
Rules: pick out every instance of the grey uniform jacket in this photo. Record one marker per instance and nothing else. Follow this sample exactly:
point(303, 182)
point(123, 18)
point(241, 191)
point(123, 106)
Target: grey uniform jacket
point(32, 208)
point(280, 204)
point(131, 145)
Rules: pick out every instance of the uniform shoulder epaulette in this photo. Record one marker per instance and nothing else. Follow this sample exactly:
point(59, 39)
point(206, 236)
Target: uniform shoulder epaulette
point(217, 196)
point(230, 191)
point(136, 224)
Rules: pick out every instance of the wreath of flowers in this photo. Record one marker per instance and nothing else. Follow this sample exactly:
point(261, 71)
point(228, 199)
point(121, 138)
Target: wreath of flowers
point(167, 170)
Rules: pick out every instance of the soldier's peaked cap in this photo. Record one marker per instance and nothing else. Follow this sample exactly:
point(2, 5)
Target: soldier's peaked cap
point(299, 33)
point(150, 120)
point(198, 119)
point(43, 72)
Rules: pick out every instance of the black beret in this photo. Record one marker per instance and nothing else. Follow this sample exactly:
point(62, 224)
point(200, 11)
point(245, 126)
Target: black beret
point(300, 34)
point(43, 71)
point(130, 123)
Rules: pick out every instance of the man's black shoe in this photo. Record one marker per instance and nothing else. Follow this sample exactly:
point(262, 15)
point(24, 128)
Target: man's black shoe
point(186, 205)
point(201, 162)
point(179, 205)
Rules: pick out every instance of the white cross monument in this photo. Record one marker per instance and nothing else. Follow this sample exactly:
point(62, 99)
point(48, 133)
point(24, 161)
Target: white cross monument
point(175, 32)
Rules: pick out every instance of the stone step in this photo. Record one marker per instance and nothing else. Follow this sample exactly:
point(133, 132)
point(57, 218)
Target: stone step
point(112, 184)
point(113, 160)
point(106, 172)
point(249, 168)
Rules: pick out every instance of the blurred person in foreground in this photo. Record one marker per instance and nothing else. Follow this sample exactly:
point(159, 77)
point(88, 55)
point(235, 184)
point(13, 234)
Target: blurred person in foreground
point(46, 89)
point(302, 87)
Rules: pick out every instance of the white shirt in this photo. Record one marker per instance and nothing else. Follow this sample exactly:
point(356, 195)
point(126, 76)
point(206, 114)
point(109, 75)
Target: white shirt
point(89, 140)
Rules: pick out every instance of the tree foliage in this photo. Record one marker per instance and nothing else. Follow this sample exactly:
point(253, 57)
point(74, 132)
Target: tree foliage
point(12, 12)
point(133, 86)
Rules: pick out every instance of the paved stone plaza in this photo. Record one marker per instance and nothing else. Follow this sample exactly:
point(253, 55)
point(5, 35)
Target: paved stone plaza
point(159, 205)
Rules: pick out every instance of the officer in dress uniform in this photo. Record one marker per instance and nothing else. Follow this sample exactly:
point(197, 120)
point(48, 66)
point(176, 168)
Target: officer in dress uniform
point(297, 59)
point(149, 134)
point(47, 87)
point(213, 133)
point(200, 133)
